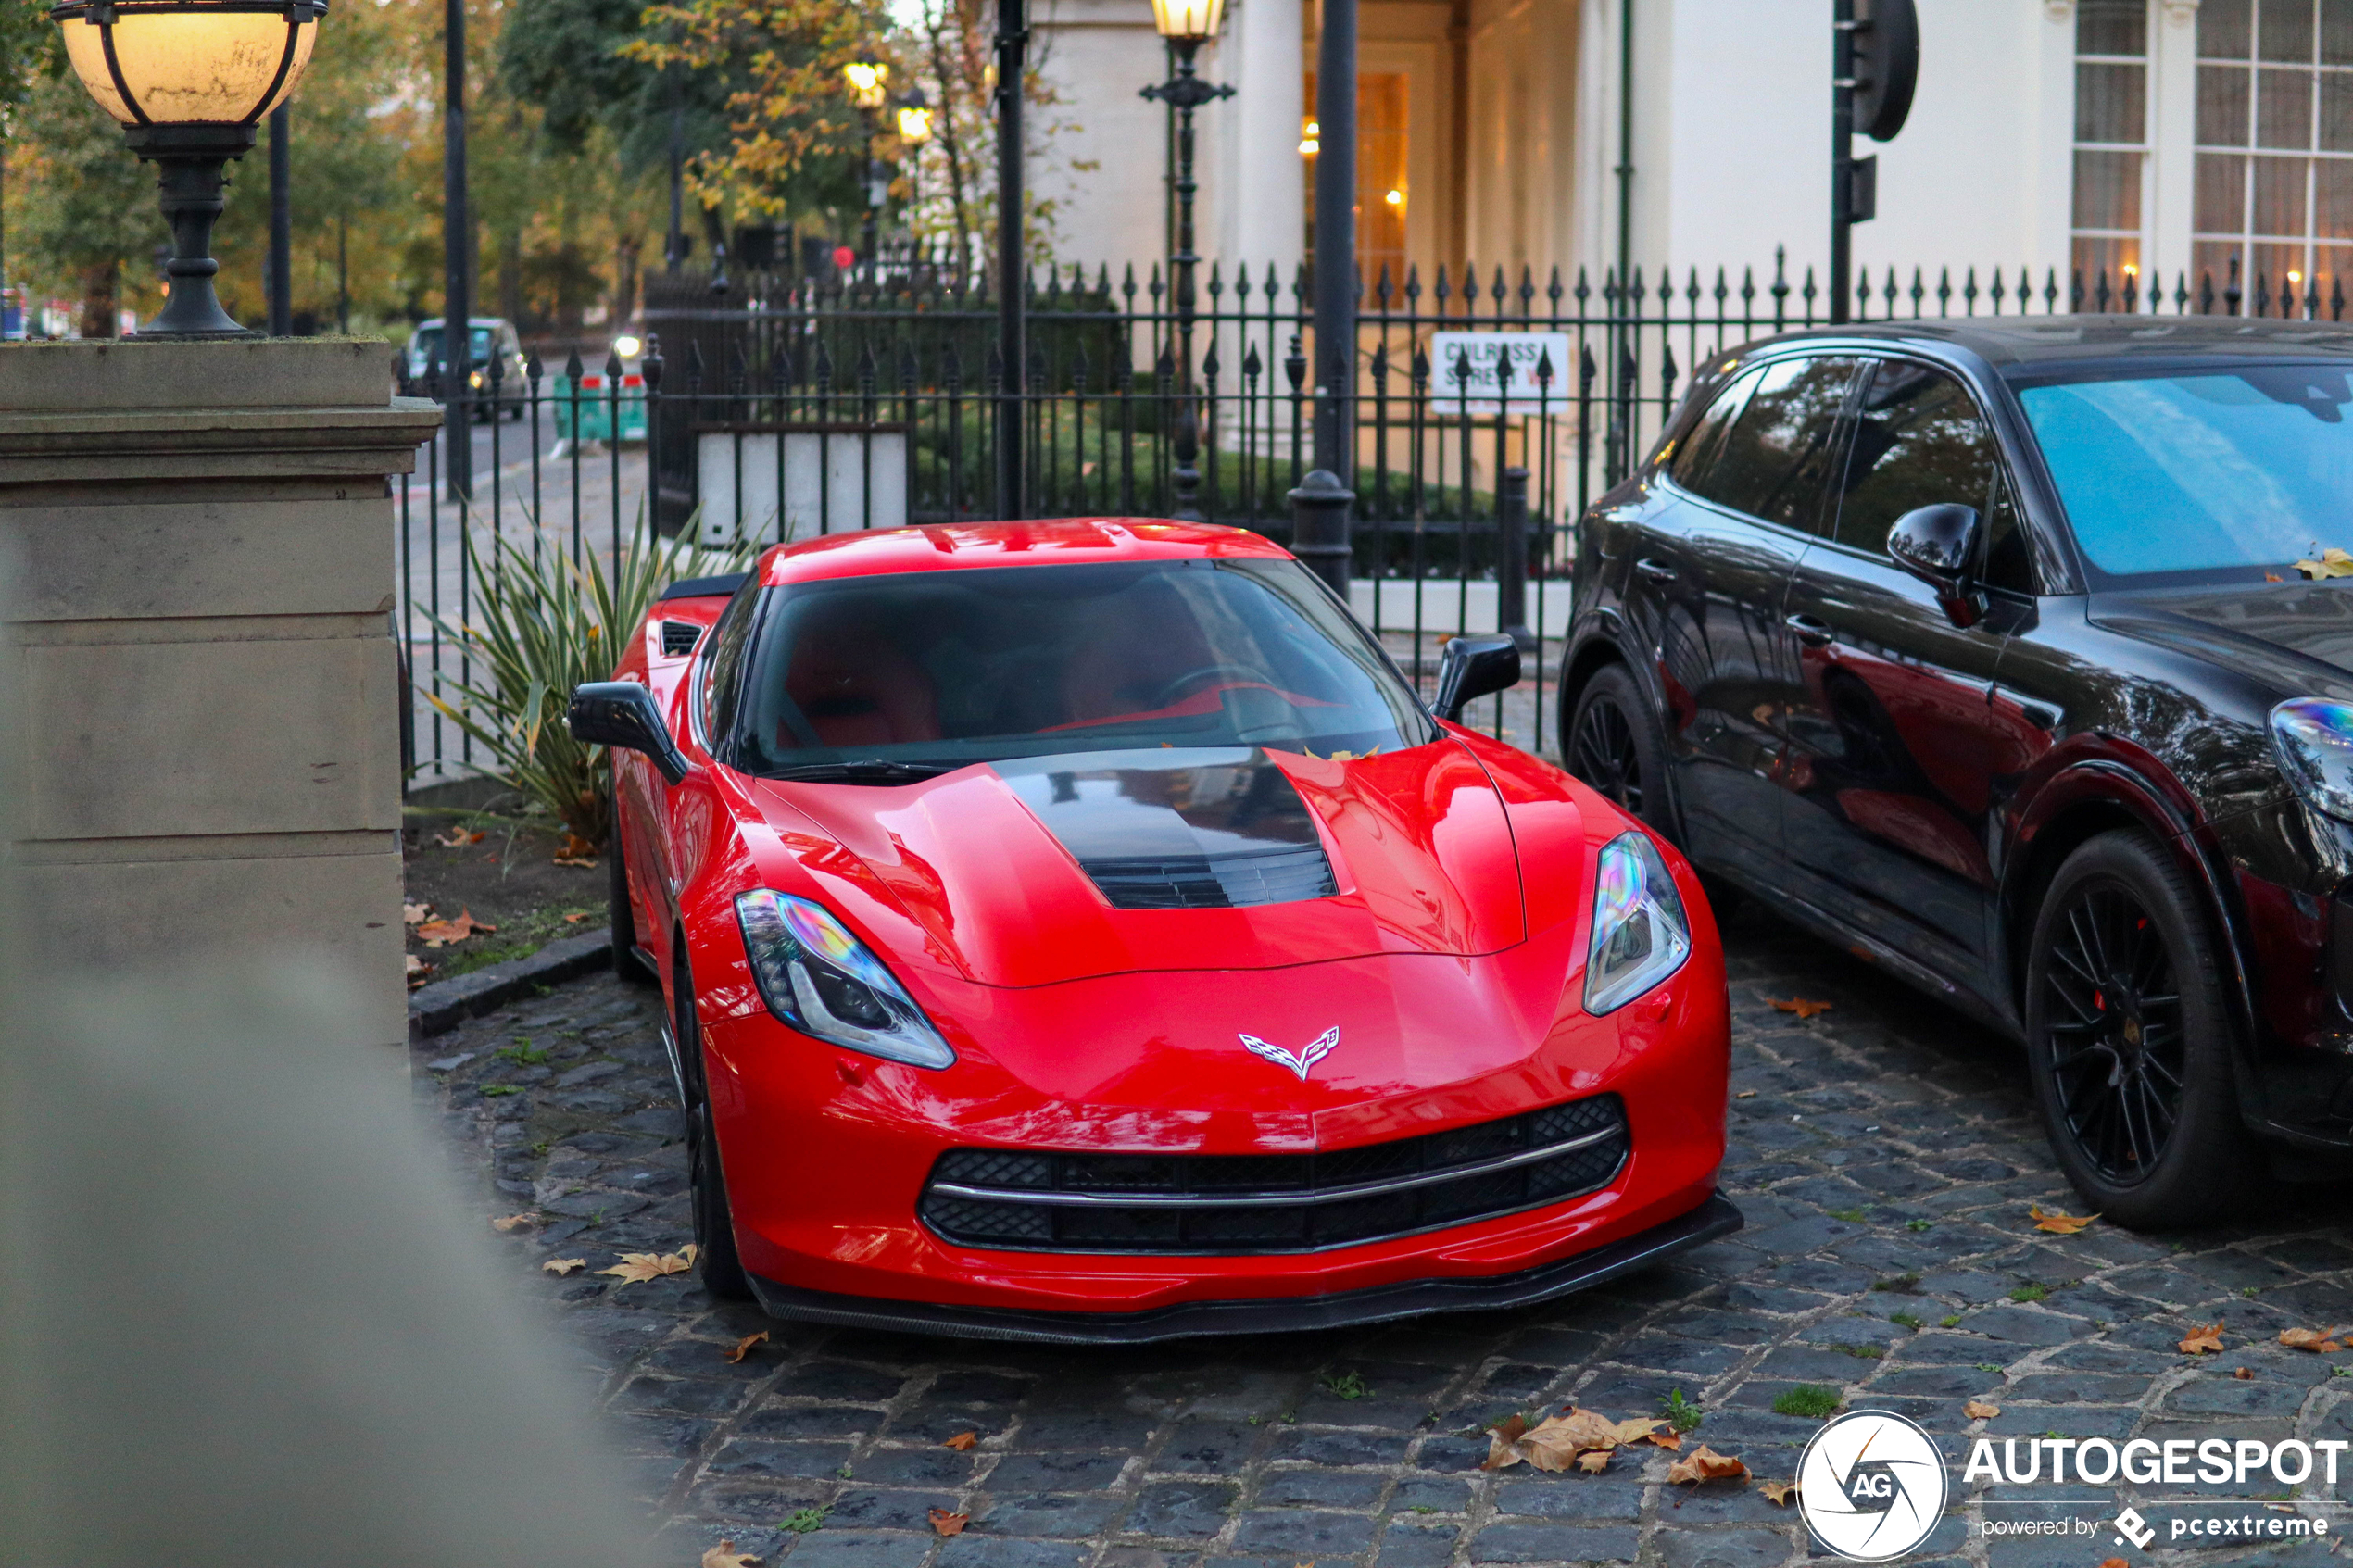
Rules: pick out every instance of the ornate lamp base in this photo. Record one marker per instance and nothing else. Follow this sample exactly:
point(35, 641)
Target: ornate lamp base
point(192, 173)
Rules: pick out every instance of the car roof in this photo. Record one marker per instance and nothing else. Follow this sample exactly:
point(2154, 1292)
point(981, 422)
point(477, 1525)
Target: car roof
point(1054, 542)
point(2015, 344)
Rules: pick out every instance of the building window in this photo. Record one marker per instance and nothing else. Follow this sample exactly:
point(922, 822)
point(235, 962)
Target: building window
point(2274, 144)
point(2111, 139)
point(1382, 193)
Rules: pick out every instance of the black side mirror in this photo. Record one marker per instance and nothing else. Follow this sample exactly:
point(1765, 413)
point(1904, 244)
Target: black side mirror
point(622, 714)
point(1938, 545)
point(1472, 667)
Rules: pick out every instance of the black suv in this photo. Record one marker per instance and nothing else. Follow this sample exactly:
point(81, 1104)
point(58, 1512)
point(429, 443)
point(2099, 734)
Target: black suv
point(2013, 656)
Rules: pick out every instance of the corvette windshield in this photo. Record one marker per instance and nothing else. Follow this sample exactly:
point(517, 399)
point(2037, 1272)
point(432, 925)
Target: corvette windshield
point(936, 669)
point(2217, 474)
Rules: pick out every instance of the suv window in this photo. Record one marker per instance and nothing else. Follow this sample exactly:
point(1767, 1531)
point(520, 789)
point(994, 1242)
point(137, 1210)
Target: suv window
point(1774, 458)
point(1691, 465)
point(1919, 440)
point(722, 678)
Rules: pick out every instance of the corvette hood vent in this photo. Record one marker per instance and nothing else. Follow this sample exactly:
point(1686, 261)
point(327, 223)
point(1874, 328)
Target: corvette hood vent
point(1204, 831)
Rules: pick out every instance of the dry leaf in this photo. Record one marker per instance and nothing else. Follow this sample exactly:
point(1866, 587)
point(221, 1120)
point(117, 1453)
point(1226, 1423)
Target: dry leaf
point(1595, 1462)
point(415, 914)
point(513, 1221)
point(1502, 1444)
point(637, 1267)
point(1745, 1094)
point(2244, 1376)
point(458, 838)
point(1705, 1463)
point(2115, 1562)
point(415, 970)
point(564, 1265)
point(2056, 1223)
point(1670, 1440)
point(2324, 1340)
point(725, 1555)
point(946, 1523)
point(576, 862)
point(962, 1441)
point(435, 933)
point(2333, 562)
point(1799, 1004)
point(1778, 1493)
point(743, 1347)
point(1980, 1410)
point(2202, 1339)
point(576, 920)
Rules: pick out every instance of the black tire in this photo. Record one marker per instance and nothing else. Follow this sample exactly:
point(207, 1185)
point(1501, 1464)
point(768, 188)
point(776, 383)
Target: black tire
point(716, 1263)
point(623, 919)
point(1612, 743)
point(2129, 1041)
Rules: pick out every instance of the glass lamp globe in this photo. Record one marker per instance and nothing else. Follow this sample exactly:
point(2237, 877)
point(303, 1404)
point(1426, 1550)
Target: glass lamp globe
point(1191, 21)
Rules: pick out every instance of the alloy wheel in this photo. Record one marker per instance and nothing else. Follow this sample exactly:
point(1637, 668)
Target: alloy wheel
point(2117, 1044)
point(1603, 754)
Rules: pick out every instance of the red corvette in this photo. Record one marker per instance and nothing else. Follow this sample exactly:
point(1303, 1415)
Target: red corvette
point(1080, 931)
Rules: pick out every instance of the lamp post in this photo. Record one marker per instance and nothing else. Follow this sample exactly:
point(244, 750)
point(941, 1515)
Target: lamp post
point(868, 87)
point(1187, 24)
point(188, 80)
point(915, 129)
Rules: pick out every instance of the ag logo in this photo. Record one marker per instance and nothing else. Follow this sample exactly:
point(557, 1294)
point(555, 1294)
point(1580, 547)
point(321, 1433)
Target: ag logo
point(1871, 1486)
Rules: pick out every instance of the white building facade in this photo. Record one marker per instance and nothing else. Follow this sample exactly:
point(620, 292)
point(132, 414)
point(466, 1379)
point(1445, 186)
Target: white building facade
point(2134, 138)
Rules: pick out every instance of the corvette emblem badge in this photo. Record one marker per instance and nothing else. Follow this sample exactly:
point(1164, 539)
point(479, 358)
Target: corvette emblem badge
point(1317, 1050)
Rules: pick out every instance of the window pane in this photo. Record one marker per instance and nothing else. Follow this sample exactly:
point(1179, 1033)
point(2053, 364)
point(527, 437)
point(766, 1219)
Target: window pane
point(2109, 103)
point(1919, 442)
point(2108, 190)
point(2273, 265)
point(2111, 27)
point(1698, 457)
point(2329, 264)
point(2223, 28)
point(2336, 32)
point(2283, 109)
point(2279, 195)
point(2336, 111)
point(2222, 105)
point(2104, 262)
point(2222, 192)
point(2283, 30)
point(2333, 198)
point(1775, 464)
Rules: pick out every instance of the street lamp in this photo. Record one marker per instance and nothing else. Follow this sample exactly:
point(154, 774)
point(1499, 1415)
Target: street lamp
point(188, 79)
point(1187, 24)
point(869, 86)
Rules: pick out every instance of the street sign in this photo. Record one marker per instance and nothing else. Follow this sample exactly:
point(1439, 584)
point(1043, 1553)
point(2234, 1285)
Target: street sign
point(1502, 372)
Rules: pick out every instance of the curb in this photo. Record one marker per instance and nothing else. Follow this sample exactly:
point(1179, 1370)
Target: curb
point(441, 1006)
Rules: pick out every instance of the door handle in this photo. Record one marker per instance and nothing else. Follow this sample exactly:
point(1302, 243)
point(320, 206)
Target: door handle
point(1813, 632)
point(1657, 571)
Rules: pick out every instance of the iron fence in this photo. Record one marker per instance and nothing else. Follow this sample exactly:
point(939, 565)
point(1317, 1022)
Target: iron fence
point(1489, 410)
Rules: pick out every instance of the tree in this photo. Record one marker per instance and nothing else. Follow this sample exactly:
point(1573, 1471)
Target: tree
point(87, 211)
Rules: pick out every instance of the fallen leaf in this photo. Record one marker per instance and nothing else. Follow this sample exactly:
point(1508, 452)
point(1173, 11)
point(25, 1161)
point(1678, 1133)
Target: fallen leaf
point(637, 1267)
point(725, 1555)
point(1705, 1463)
point(962, 1441)
point(2056, 1223)
point(564, 1265)
point(1778, 1493)
point(1745, 1094)
point(2268, 577)
point(743, 1347)
point(1595, 1462)
point(1980, 1410)
point(416, 970)
point(513, 1221)
point(2324, 1340)
point(2333, 562)
point(1502, 1444)
point(2244, 1376)
point(576, 920)
point(435, 933)
point(458, 838)
point(578, 862)
point(1670, 1440)
point(2117, 1562)
point(415, 914)
point(1799, 1004)
point(575, 844)
point(2202, 1339)
point(946, 1523)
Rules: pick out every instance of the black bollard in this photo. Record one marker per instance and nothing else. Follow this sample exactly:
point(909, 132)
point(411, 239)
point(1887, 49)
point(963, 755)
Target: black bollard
point(1511, 562)
point(1319, 528)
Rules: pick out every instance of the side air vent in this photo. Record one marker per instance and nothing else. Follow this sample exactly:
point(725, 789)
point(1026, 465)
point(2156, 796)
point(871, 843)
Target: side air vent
point(679, 637)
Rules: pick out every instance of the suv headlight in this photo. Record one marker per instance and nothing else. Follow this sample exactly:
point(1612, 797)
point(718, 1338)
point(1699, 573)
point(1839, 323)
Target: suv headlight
point(2314, 740)
point(1641, 934)
point(817, 977)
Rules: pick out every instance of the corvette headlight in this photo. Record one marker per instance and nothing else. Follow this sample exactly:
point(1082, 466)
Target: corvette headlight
point(1641, 934)
point(2314, 740)
point(817, 977)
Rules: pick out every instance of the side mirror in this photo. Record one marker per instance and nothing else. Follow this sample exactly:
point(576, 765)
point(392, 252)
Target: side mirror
point(1472, 667)
point(622, 714)
point(1938, 545)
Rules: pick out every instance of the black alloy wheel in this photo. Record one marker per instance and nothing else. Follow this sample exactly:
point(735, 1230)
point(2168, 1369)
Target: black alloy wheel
point(716, 1263)
point(1613, 747)
point(2130, 1042)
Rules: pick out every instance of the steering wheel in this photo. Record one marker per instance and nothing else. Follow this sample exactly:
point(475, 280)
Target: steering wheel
point(1169, 694)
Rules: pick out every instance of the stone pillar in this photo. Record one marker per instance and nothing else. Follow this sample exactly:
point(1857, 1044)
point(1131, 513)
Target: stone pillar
point(202, 538)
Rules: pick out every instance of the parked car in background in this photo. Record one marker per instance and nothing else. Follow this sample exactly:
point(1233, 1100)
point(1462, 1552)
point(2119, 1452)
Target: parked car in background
point(2015, 656)
point(1080, 931)
point(497, 370)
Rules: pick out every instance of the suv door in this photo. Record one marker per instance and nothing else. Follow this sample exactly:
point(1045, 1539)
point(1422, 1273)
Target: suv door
point(1888, 787)
point(1704, 591)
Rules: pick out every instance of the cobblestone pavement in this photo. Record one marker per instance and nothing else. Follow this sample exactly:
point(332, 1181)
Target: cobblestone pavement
point(1883, 1152)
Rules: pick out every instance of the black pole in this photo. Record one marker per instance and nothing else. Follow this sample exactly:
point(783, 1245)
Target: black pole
point(674, 245)
point(1185, 91)
point(280, 222)
point(1013, 48)
point(1842, 155)
point(1335, 370)
point(1625, 170)
point(456, 302)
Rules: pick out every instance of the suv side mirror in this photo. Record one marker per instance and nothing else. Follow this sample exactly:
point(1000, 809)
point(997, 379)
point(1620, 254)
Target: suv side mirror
point(622, 714)
point(1474, 667)
point(1938, 545)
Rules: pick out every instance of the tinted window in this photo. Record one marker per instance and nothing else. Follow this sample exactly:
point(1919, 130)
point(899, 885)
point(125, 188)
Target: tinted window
point(1920, 441)
point(1774, 461)
point(1689, 467)
point(947, 668)
point(724, 677)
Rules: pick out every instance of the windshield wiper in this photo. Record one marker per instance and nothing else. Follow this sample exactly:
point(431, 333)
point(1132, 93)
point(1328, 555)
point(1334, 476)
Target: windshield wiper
point(870, 770)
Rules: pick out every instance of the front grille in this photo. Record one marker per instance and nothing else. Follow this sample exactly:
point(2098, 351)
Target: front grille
point(1207, 1203)
point(1222, 881)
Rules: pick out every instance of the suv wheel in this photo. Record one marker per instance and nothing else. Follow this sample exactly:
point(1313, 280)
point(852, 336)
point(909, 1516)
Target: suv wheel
point(2128, 1040)
point(1611, 743)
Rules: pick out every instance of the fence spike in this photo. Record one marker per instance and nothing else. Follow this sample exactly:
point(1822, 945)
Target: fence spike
point(1252, 368)
point(532, 368)
point(1380, 366)
point(1586, 371)
point(1420, 371)
point(574, 369)
point(1552, 289)
point(1668, 371)
point(1412, 285)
